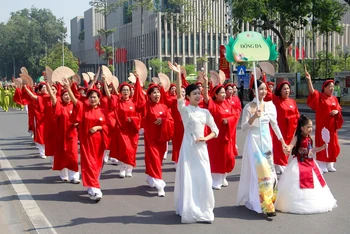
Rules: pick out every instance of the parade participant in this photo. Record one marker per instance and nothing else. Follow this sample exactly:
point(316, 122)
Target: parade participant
point(302, 188)
point(5, 98)
point(271, 86)
point(66, 150)
point(39, 99)
point(92, 132)
point(222, 150)
point(241, 93)
point(287, 119)
point(194, 197)
point(125, 130)
point(328, 115)
point(158, 129)
point(171, 103)
point(258, 182)
point(337, 91)
point(232, 98)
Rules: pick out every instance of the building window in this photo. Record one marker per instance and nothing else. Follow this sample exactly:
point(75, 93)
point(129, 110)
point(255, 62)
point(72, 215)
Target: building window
point(127, 12)
point(163, 44)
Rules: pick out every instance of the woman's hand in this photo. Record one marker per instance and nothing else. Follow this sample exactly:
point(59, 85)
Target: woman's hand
point(95, 129)
point(334, 112)
point(257, 114)
point(307, 74)
point(158, 121)
point(128, 119)
point(201, 139)
point(66, 82)
point(175, 67)
point(224, 121)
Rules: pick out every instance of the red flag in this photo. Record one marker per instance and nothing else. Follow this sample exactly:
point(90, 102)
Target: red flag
point(98, 46)
point(224, 64)
point(125, 55)
point(297, 53)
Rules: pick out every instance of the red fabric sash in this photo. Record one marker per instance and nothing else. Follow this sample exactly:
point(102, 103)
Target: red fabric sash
point(305, 174)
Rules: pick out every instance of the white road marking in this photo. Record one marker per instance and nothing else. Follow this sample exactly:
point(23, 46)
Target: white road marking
point(36, 216)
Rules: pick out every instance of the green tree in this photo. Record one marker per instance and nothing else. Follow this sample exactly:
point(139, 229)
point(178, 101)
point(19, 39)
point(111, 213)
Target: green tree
point(190, 69)
point(281, 17)
point(327, 15)
point(159, 66)
point(24, 37)
point(54, 58)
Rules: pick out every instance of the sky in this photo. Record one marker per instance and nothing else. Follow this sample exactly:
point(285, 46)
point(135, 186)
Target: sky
point(66, 9)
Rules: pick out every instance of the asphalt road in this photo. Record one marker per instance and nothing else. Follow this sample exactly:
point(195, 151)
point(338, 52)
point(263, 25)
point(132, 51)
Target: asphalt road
point(130, 206)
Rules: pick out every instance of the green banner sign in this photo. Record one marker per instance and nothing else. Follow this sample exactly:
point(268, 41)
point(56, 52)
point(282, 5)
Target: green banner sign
point(250, 46)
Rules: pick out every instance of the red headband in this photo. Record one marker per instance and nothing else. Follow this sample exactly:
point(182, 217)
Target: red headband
point(230, 85)
point(281, 84)
point(198, 83)
point(216, 88)
point(271, 83)
point(94, 90)
point(172, 85)
point(152, 86)
point(326, 83)
point(122, 85)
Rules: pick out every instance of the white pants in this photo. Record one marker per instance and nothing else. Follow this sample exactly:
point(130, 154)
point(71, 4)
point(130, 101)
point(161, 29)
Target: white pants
point(166, 152)
point(69, 175)
point(125, 167)
point(41, 149)
point(218, 179)
point(92, 191)
point(106, 156)
point(155, 183)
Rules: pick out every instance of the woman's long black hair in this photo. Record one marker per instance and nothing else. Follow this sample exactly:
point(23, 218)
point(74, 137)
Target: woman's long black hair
point(303, 120)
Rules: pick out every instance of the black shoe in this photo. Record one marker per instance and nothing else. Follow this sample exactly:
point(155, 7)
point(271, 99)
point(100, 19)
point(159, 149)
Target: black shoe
point(271, 214)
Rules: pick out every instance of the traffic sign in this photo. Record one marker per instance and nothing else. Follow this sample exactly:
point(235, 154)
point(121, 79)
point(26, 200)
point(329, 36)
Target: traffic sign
point(241, 70)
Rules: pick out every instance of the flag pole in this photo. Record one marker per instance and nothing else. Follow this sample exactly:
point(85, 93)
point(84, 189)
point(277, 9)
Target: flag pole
point(257, 101)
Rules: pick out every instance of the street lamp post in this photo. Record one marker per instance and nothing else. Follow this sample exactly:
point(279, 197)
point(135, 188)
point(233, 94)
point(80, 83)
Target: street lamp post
point(150, 75)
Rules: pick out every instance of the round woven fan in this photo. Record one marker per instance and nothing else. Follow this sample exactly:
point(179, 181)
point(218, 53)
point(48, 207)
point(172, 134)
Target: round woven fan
point(77, 78)
point(48, 72)
point(268, 68)
point(91, 75)
point(132, 78)
point(155, 80)
point(60, 73)
point(115, 82)
point(107, 73)
point(215, 78)
point(24, 70)
point(164, 79)
point(86, 77)
point(18, 82)
point(141, 70)
point(27, 80)
point(222, 77)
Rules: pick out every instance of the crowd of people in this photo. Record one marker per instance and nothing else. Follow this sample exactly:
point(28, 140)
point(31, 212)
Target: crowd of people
point(201, 121)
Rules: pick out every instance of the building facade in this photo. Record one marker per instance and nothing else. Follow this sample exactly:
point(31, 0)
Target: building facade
point(164, 40)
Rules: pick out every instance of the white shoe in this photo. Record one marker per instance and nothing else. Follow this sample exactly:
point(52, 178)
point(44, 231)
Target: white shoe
point(141, 131)
point(75, 181)
point(161, 193)
point(96, 197)
point(122, 173)
point(218, 187)
point(323, 166)
point(106, 158)
point(330, 167)
point(279, 169)
point(128, 174)
point(43, 156)
point(114, 161)
point(224, 183)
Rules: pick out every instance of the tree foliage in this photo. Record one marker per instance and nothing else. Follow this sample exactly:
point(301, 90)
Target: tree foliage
point(159, 66)
point(284, 17)
point(54, 58)
point(24, 38)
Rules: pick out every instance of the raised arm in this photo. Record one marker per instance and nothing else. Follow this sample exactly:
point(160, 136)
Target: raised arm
point(205, 88)
point(31, 95)
point(108, 94)
point(177, 69)
point(53, 97)
point(309, 82)
point(66, 84)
